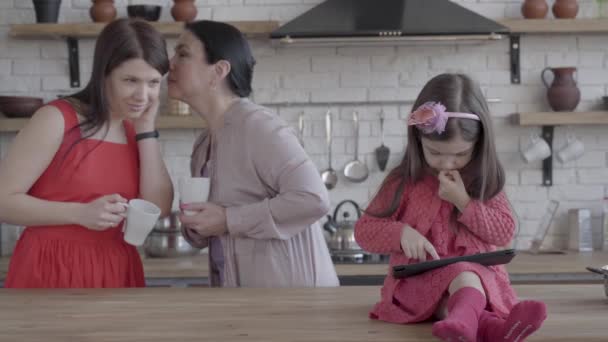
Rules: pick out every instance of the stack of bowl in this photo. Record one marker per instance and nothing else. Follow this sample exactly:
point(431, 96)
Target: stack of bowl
point(166, 240)
point(19, 106)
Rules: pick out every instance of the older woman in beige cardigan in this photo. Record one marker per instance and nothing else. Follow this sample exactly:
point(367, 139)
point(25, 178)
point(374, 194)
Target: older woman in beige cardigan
point(260, 222)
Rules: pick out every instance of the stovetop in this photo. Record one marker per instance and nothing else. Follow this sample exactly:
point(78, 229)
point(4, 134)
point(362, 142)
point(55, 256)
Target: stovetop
point(358, 258)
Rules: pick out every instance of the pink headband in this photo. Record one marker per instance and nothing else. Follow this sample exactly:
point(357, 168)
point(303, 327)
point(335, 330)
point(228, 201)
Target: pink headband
point(432, 117)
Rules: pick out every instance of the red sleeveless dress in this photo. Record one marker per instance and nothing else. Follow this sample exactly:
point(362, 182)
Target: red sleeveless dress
point(72, 256)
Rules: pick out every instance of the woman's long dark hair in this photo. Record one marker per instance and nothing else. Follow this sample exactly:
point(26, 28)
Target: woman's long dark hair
point(484, 176)
point(119, 41)
point(223, 41)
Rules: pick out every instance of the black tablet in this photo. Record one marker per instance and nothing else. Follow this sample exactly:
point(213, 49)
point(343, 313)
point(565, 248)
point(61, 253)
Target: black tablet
point(487, 259)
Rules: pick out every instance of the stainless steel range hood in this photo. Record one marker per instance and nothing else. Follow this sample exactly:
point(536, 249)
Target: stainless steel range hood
point(382, 21)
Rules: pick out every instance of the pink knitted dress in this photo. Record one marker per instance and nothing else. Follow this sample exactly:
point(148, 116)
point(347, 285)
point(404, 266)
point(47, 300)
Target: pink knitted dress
point(480, 228)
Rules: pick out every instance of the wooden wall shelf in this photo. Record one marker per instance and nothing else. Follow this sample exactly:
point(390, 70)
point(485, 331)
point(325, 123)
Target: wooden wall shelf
point(71, 32)
point(560, 118)
point(541, 26)
point(8, 125)
point(518, 27)
point(252, 29)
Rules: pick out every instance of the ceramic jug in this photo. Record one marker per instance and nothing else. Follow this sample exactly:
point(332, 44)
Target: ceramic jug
point(563, 93)
point(563, 9)
point(534, 9)
point(183, 10)
point(103, 11)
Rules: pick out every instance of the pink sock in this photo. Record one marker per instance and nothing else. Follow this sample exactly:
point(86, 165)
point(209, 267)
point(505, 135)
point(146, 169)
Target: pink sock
point(524, 319)
point(490, 327)
point(464, 308)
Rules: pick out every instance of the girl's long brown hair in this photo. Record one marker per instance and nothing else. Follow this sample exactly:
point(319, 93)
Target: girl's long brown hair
point(484, 176)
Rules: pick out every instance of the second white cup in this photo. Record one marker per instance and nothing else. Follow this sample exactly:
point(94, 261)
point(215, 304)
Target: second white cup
point(573, 150)
point(193, 190)
point(538, 149)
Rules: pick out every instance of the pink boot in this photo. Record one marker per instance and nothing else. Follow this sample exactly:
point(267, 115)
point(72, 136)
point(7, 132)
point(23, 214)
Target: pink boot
point(464, 309)
point(525, 318)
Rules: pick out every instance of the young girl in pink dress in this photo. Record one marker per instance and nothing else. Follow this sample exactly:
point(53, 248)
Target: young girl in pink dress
point(446, 199)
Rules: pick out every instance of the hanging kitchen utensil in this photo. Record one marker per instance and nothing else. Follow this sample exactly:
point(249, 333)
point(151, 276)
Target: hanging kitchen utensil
point(301, 128)
point(382, 152)
point(329, 175)
point(356, 170)
point(603, 271)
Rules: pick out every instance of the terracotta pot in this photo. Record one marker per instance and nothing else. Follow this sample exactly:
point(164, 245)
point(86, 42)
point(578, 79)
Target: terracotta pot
point(565, 9)
point(534, 9)
point(103, 11)
point(563, 94)
point(183, 10)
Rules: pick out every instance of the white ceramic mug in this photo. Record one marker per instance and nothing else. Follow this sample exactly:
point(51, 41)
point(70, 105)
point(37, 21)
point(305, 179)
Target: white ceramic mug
point(141, 218)
point(538, 149)
point(572, 150)
point(193, 190)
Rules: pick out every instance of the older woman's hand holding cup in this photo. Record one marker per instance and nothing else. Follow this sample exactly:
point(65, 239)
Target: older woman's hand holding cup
point(193, 190)
point(207, 219)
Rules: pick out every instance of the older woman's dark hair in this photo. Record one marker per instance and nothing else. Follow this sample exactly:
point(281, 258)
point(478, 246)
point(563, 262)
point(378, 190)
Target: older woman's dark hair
point(120, 41)
point(225, 42)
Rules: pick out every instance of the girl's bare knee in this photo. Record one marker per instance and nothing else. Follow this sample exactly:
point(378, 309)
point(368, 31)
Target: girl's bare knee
point(466, 279)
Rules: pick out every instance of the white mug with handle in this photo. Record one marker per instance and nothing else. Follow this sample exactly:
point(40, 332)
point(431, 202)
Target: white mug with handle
point(141, 218)
point(573, 150)
point(538, 149)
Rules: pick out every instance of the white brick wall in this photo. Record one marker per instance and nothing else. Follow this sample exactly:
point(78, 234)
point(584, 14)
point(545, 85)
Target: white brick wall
point(363, 73)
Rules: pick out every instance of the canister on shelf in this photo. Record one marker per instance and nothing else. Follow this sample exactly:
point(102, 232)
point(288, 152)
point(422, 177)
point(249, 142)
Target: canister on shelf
point(177, 107)
point(581, 232)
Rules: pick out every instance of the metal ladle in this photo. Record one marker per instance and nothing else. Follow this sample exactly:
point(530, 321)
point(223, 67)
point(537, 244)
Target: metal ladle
point(329, 175)
point(301, 128)
point(356, 170)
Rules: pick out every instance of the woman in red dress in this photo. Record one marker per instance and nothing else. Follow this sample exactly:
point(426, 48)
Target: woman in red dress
point(78, 158)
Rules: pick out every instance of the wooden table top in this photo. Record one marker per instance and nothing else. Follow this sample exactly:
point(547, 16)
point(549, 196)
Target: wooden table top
point(576, 313)
point(523, 263)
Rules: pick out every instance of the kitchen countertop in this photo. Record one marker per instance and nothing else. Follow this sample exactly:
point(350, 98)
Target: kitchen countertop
point(576, 313)
point(523, 265)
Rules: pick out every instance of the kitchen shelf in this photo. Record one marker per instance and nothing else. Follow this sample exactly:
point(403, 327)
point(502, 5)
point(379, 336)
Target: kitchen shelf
point(252, 29)
point(548, 26)
point(548, 121)
point(163, 122)
point(71, 32)
point(560, 118)
point(518, 27)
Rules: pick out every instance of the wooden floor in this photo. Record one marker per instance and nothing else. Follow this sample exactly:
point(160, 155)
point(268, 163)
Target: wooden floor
point(523, 263)
point(576, 313)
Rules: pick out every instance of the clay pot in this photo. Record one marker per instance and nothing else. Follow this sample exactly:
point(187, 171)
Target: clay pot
point(103, 11)
point(565, 9)
point(534, 9)
point(563, 93)
point(183, 10)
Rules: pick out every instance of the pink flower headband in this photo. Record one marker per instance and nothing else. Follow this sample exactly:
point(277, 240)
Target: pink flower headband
point(432, 117)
